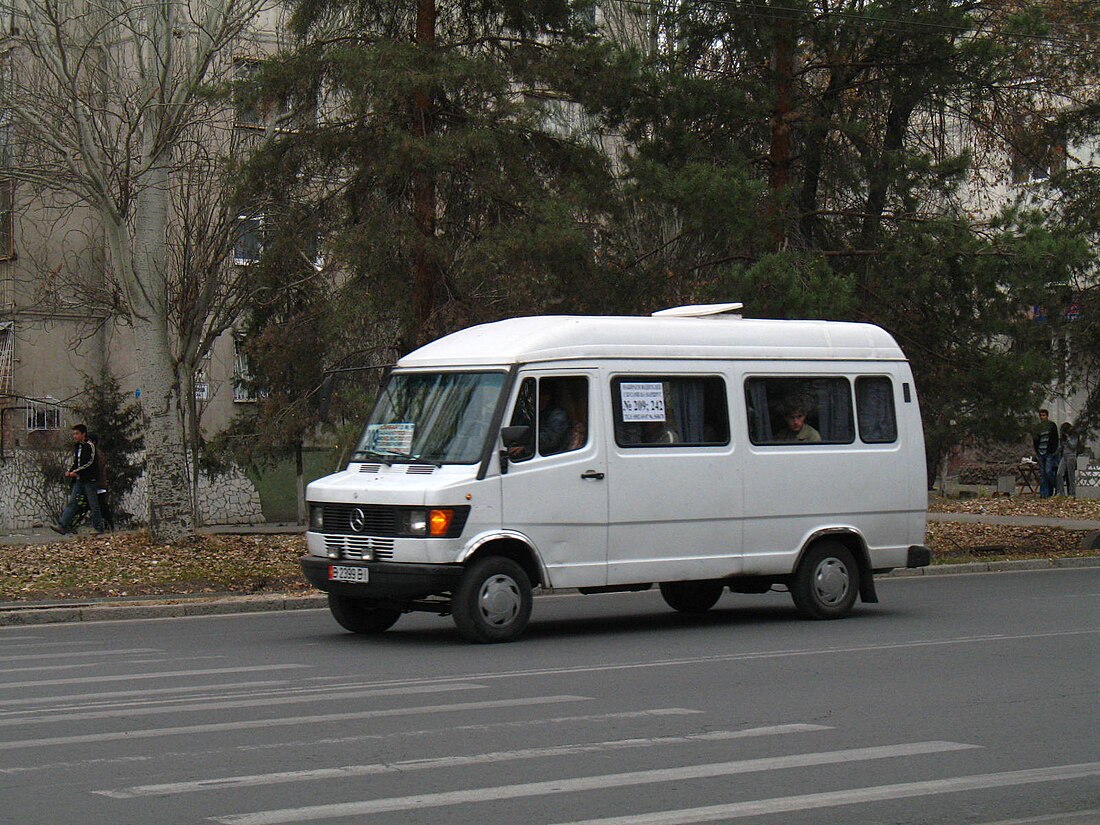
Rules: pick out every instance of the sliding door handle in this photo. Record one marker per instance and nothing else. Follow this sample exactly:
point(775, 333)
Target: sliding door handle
point(592, 474)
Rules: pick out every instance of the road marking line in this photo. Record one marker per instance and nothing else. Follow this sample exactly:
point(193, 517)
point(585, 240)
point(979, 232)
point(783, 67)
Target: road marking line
point(41, 668)
point(44, 717)
point(163, 674)
point(78, 699)
point(1085, 817)
point(283, 722)
point(373, 737)
point(584, 783)
point(855, 796)
point(122, 652)
point(443, 762)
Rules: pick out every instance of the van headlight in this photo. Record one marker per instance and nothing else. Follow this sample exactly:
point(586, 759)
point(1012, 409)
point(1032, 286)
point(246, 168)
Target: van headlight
point(434, 523)
point(316, 518)
point(413, 523)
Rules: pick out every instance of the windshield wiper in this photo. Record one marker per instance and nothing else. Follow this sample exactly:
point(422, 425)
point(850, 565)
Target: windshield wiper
point(406, 456)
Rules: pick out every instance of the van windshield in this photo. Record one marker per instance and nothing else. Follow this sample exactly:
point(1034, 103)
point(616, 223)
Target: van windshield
point(439, 418)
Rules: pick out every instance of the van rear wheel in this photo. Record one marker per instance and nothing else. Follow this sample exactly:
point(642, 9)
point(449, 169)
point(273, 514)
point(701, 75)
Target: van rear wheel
point(691, 597)
point(361, 615)
point(826, 583)
point(492, 602)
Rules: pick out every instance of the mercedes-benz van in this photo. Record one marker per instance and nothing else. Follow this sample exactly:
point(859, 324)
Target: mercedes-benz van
point(692, 449)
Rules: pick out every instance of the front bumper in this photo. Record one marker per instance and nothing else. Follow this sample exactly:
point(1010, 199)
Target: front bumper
point(387, 581)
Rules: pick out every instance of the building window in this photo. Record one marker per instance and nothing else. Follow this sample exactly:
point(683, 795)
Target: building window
point(242, 374)
point(659, 411)
point(250, 241)
point(1037, 155)
point(7, 217)
point(43, 414)
point(7, 358)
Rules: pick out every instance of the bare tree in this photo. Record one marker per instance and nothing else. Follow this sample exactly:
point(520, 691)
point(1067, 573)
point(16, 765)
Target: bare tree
point(105, 100)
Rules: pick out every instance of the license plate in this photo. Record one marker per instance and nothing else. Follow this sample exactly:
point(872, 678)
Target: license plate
point(338, 573)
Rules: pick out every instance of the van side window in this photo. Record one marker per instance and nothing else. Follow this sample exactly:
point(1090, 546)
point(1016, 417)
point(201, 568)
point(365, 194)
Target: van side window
point(556, 410)
point(652, 411)
point(799, 410)
point(878, 423)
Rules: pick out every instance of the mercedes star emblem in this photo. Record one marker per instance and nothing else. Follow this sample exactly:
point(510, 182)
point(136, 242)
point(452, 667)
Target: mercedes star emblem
point(358, 520)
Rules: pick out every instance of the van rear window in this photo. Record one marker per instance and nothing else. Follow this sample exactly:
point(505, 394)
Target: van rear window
point(661, 411)
point(878, 423)
point(799, 410)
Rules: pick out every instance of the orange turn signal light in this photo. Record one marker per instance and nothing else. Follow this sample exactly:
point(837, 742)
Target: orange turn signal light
point(439, 522)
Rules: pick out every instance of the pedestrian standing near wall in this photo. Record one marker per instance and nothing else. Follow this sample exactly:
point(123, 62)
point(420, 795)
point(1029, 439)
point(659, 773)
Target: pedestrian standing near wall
point(85, 477)
point(1069, 444)
point(1045, 442)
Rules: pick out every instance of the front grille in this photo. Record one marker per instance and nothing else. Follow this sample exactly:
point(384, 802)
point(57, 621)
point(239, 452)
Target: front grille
point(378, 519)
point(360, 548)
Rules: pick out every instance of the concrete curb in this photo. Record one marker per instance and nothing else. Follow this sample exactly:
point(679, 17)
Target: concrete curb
point(38, 614)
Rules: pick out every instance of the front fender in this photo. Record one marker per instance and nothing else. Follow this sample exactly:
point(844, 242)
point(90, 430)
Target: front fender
point(512, 537)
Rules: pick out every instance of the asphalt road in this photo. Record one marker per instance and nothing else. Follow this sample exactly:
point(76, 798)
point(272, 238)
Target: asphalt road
point(957, 699)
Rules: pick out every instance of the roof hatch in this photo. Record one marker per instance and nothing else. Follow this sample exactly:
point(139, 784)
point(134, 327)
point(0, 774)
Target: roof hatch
point(732, 310)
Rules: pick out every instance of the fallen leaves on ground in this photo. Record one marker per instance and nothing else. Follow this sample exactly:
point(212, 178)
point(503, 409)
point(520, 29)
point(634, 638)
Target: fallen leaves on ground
point(954, 541)
point(1054, 507)
point(128, 564)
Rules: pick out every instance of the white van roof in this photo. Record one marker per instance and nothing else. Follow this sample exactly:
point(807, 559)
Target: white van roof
point(572, 337)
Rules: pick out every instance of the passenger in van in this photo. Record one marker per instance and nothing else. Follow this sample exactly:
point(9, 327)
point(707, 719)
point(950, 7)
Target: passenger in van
point(577, 436)
point(659, 432)
point(797, 430)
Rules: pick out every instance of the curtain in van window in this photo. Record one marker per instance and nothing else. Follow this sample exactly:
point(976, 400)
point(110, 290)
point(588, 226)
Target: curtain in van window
point(878, 422)
point(689, 410)
point(834, 410)
point(760, 425)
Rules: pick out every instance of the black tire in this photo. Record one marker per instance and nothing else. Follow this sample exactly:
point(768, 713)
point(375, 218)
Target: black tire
point(492, 602)
point(691, 597)
point(826, 583)
point(361, 615)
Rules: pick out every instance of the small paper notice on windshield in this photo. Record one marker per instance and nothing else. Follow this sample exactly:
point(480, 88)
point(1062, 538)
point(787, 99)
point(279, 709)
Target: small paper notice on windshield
point(391, 438)
point(643, 401)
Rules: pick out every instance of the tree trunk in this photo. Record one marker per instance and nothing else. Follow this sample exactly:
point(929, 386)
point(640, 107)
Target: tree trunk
point(299, 475)
point(425, 267)
point(779, 158)
point(168, 482)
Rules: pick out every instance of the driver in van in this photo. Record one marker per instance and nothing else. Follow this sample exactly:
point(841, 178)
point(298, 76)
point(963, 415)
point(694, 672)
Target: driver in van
point(797, 430)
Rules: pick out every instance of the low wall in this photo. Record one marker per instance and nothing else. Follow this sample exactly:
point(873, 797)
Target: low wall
point(229, 498)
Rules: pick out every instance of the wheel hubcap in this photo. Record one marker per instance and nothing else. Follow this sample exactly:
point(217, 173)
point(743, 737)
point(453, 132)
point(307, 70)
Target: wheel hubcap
point(831, 581)
point(499, 600)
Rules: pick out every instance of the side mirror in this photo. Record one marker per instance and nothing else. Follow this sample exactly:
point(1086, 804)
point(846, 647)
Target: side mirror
point(516, 436)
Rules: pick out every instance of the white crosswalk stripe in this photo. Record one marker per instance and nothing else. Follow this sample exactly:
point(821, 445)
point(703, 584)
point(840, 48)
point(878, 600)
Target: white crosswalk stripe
point(404, 766)
point(586, 783)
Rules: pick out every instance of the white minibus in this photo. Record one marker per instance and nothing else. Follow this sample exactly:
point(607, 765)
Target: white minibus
point(692, 449)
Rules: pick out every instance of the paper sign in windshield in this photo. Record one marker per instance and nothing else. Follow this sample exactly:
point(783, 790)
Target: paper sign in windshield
point(643, 401)
point(391, 438)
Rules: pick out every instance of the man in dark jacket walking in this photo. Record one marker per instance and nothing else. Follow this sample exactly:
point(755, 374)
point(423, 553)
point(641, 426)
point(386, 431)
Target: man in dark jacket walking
point(84, 473)
point(1045, 441)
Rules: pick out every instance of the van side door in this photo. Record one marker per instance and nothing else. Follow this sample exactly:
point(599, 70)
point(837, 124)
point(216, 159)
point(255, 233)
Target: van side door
point(675, 477)
point(555, 489)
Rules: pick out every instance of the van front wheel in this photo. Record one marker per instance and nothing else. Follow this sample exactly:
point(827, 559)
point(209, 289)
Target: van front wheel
point(361, 615)
point(492, 602)
point(691, 597)
point(826, 583)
